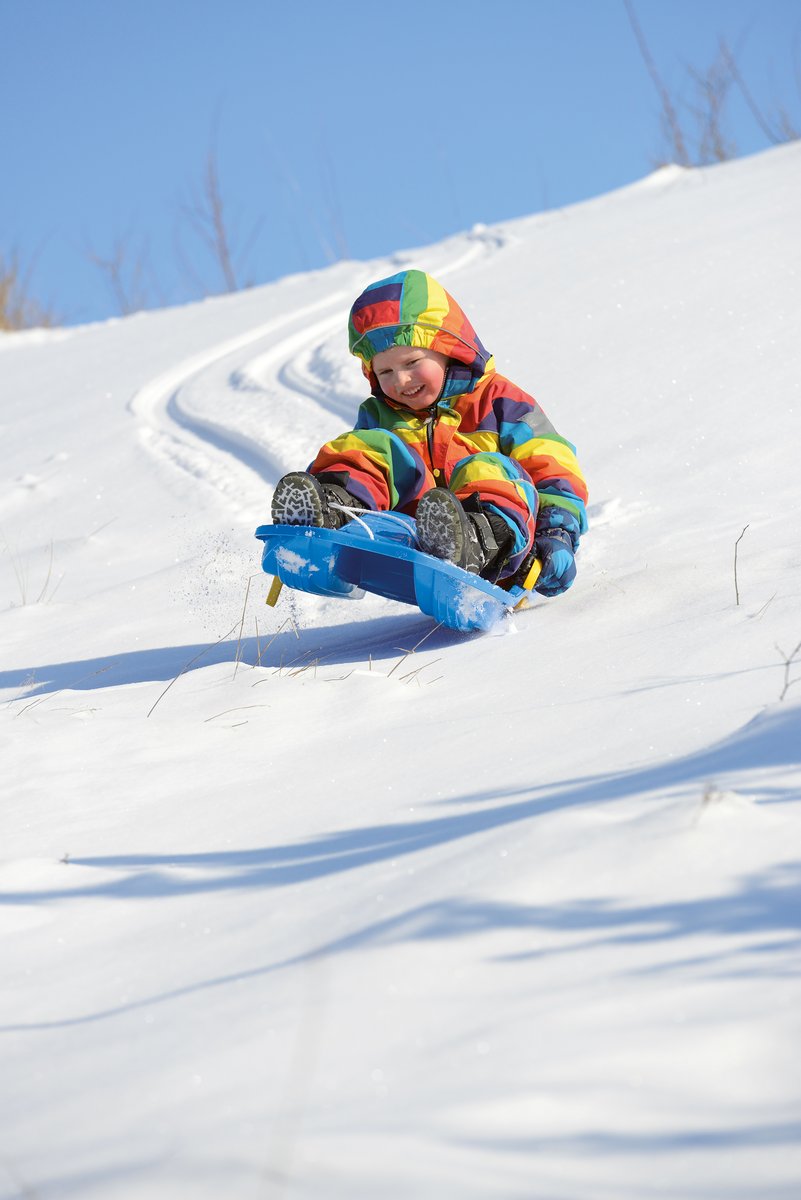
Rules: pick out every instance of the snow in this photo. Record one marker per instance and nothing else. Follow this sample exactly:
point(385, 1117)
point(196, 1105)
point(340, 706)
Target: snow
point(320, 901)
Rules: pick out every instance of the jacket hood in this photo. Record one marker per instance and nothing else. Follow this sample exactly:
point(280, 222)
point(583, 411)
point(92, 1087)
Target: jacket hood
point(412, 309)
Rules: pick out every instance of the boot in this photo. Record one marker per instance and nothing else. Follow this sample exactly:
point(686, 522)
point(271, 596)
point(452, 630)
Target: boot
point(464, 534)
point(300, 499)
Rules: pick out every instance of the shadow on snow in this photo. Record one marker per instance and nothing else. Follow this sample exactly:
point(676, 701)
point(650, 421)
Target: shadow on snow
point(766, 904)
point(769, 742)
point(379, 638)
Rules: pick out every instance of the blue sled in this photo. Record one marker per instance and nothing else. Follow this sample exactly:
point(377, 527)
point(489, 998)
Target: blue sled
point(377, 553)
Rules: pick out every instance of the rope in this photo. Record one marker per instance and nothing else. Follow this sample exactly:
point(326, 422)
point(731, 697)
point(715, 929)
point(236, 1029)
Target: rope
point(351, 512)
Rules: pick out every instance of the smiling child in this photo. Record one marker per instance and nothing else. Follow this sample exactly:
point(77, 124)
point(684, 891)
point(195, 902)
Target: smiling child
point(446, 439)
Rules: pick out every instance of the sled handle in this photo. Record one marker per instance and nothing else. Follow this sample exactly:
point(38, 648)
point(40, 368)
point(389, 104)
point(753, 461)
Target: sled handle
point(274, 592)
point(528, 584)
point(533, 575)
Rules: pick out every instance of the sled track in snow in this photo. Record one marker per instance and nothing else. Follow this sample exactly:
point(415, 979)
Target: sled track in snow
point(235, 417)
point(196, 443)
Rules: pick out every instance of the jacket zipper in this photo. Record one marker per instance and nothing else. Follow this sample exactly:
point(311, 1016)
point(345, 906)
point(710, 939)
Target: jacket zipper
point(435, 471)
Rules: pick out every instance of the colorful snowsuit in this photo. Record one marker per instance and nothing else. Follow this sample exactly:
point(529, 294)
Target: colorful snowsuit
point(486, 436)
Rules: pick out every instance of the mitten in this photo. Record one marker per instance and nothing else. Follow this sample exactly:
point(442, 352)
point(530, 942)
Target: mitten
point(554, 550)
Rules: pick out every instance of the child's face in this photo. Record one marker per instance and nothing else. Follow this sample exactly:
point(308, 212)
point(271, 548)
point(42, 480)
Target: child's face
point(411, 376)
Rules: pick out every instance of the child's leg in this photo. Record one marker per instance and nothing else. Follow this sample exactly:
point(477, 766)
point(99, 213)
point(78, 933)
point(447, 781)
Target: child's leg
point(502, 486)
point(375, 466)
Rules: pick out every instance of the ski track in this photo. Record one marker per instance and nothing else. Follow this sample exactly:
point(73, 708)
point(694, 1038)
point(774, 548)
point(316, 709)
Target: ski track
point(240, 414)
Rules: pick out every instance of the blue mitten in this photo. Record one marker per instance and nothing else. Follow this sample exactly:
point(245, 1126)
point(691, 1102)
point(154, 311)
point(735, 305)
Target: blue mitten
point(554, 549)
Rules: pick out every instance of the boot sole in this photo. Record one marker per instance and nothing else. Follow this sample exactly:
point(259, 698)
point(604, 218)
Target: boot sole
point(297, 501)
point(440, 527)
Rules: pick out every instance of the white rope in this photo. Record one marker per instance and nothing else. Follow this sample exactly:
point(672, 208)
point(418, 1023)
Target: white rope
point(346, 508)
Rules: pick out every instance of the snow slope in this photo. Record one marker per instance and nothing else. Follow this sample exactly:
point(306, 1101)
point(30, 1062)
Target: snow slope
point(323, 902)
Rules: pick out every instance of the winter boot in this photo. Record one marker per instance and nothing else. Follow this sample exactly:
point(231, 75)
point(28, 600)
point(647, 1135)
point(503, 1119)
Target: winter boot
point(464, 534)
point(300, 499)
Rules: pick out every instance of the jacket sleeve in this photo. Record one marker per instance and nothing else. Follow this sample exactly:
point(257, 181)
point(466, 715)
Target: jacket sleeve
point(375, 466)
point(527, 436)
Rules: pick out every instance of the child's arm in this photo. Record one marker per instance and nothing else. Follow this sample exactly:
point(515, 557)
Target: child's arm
point(527, 436)
point(375, 466)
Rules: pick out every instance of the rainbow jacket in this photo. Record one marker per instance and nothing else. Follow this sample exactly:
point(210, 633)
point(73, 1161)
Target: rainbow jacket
point(485, 436)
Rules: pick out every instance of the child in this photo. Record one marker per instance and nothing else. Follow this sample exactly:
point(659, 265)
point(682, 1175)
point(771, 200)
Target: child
point(445, 438)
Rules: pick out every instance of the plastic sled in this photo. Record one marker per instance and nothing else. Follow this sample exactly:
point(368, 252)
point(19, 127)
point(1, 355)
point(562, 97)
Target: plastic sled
point(377, 552)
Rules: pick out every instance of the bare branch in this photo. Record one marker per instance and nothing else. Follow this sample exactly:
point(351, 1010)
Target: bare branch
point(713, 87)
point(218, 233)
point(728, 58)
point(789, 132)
point(125, 269)
point(679, 148)
point(207, 218)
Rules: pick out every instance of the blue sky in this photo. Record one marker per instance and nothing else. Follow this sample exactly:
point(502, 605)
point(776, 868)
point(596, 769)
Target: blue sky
point(341, 128)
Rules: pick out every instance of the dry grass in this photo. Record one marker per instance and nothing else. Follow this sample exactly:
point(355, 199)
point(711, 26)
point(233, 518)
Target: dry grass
point(18, 308)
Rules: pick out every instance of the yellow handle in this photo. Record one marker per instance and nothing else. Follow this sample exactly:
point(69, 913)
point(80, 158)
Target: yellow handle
point(274, 592)
point(528, 583)
point(533, 575)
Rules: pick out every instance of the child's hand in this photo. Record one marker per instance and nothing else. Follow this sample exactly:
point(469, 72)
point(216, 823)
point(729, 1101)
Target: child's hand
point(554, 549)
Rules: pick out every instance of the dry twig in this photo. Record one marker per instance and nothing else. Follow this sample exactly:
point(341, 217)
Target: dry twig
point(186, 666)
point(736, 544)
